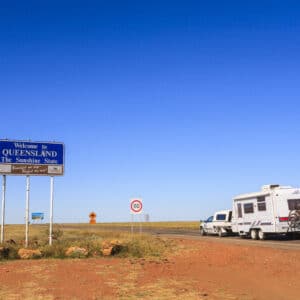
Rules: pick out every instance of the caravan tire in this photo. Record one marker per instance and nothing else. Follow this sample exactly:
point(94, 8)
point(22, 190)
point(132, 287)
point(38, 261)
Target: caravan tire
point(254, 234)
point(261, 235)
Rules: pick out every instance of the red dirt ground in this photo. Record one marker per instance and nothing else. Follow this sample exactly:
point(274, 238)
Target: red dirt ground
point(197, 270)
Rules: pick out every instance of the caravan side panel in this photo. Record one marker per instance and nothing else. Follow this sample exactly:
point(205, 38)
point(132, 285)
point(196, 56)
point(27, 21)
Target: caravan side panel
point(253, 213)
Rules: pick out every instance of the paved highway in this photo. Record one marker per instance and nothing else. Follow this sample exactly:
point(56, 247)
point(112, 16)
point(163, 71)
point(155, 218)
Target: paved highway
point(279, 243)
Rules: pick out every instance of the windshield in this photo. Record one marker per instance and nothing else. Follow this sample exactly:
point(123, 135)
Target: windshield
point(210, 219)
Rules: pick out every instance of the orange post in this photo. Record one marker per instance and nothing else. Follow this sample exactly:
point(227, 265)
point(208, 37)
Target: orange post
point(92, 217)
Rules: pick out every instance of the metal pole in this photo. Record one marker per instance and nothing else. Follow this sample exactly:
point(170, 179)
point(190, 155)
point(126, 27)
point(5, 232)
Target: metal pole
point(27, 210)
point(131, 223)
point(51, 208)
point(141, 224)
point(3, 207)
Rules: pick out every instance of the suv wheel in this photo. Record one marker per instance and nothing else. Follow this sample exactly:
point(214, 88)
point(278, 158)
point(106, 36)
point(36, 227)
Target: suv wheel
point(202, 231)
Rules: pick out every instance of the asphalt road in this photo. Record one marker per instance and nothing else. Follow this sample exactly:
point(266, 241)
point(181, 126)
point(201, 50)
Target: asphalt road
point(276, 242)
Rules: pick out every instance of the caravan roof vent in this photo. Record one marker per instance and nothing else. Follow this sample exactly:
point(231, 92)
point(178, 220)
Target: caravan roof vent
point(269, 187)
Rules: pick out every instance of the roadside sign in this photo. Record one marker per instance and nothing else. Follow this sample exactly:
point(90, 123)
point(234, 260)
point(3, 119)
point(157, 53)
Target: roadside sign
point(92, 217)
point(31, 158)
point(37, 216)
point(136, 206)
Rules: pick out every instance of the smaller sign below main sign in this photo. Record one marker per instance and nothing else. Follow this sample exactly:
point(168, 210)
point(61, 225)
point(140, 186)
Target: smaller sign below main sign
point(136, 206)
point(31, 169)
point(5, 169)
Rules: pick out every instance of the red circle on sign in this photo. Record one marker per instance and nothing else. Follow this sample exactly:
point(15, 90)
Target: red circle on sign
point(136, 206)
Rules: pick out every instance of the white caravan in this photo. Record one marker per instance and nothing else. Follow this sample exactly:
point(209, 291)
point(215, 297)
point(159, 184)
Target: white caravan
point(273, 210)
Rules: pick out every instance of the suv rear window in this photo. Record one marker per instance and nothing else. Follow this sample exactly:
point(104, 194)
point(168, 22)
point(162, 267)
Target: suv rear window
point(221, 217)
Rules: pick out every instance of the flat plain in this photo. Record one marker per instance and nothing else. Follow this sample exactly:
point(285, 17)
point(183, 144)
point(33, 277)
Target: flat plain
point(190, 268)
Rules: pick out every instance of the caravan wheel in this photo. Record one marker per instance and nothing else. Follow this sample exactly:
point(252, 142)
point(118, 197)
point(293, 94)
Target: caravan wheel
point(254, 234)
point(261, 235)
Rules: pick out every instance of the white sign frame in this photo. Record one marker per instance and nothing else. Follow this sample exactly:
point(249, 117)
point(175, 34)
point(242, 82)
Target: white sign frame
point(136, 206)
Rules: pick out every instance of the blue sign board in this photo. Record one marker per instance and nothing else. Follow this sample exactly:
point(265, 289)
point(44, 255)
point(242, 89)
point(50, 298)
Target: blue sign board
point(37, 216)
point(31, 153)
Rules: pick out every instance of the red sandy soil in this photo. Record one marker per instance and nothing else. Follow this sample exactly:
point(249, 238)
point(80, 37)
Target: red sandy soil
point(196, 270)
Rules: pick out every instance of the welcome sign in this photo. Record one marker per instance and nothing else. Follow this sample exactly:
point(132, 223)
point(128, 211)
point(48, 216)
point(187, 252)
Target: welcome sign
point(31, 158)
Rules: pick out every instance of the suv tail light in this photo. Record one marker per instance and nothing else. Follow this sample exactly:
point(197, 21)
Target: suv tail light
point(283, 219)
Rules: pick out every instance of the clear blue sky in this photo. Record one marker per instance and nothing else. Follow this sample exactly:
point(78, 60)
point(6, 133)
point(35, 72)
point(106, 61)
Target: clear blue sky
point(184, 103)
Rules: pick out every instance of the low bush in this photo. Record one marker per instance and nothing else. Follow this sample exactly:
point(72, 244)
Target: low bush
point(57, 233)
point(57, 250)
point(145, 246)
point(9, 252)
point(97, 242)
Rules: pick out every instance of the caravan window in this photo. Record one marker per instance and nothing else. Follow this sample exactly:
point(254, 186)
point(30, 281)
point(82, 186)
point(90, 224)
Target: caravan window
point(261, 203)
point(294, 204)
point(248, 208)
point(221, 217)
point(240, 214)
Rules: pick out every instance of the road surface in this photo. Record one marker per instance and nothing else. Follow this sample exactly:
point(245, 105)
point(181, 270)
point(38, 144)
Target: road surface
point(277, 243)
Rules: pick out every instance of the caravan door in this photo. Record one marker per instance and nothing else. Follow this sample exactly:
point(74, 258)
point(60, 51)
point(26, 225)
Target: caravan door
point(237, 217)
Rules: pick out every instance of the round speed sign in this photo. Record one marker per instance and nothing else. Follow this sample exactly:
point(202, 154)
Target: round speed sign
point(136, 206)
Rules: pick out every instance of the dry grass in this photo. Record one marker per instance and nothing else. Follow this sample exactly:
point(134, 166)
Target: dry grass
point(90, 237)
point(70, 231)
point(158, 225)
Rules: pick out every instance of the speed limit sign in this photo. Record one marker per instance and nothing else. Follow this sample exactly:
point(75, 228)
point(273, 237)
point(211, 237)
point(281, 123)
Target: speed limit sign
point(136, 206)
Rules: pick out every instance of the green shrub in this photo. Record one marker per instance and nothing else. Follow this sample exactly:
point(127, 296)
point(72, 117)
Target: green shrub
point(13, 252)
point(145, 246)
point(57, 250)
point(9, 252)
point(57, 233)
point(92, 239)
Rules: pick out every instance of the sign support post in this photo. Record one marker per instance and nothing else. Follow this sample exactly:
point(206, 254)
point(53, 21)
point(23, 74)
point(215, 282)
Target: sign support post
point(51, 209)
point(136, 207)
point(3, 207)
point(141, 230)
point(27, 210)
